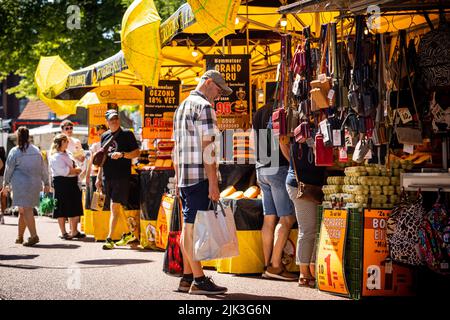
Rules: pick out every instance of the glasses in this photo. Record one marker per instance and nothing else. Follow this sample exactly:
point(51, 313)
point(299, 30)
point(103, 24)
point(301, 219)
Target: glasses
point(218, 88)
point(68, 128)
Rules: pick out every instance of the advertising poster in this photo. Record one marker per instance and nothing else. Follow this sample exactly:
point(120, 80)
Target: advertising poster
point(234, 111)
point(160, 106)
point(381, 276)
point(330, 255)
point(96, 117)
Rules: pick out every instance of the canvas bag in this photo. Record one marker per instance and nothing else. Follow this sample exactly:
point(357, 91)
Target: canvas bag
point(173, 257)
point(98, 201)
point(215, 233)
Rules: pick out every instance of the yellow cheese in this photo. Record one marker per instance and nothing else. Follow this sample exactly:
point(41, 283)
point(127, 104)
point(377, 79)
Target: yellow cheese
point(167, 163)
point(228, 191)
point(237, 195)
point(159, 163)
point(251, 192)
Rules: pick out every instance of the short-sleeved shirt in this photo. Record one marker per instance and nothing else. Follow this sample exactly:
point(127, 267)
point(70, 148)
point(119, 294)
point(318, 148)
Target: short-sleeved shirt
point(61, 163)
point(260, 121)
point(124, 142)
point(194, 119)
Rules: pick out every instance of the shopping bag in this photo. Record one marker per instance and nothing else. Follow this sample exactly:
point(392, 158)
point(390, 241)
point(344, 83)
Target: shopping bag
point(162, 227)
point(173, 258)
point(98, 201)
point(47, 203)
point(215, 234)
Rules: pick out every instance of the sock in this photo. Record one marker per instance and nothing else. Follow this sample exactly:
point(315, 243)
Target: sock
point(200, 279)
point(188, 277)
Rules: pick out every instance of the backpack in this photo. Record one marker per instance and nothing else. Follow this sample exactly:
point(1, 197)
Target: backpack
point(433, 56)
point(402, 231)
point(434, 239)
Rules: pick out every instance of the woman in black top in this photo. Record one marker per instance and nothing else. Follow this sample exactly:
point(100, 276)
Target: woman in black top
point(2, 172)
point(303, 172)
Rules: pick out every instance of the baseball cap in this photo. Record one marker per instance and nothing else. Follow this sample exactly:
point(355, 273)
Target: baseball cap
point(219, 80)
point(111, 114)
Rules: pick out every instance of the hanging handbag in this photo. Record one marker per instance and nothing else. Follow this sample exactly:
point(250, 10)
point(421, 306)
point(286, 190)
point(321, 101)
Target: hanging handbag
point(407, 135)
point(361, 150)
point(173, 258)
point(402, 231)
point(324, 154)
point(279, 122)
point(302, 132)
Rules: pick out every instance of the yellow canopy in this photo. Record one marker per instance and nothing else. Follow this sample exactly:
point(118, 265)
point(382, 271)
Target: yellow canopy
point(216, 18)
point(49, 73)
point(140, 41)
point(119, 94)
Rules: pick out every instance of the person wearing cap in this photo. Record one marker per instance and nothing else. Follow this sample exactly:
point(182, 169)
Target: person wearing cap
point(114, 176)
point(195, 129)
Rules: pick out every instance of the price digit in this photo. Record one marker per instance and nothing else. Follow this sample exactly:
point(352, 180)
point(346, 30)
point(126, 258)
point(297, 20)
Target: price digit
point(328, 262)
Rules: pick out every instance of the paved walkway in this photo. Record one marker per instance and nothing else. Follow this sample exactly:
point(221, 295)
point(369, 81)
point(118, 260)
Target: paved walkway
point(58, 269)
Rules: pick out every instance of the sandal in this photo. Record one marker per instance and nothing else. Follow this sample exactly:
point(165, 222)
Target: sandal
point(307, 282)
point(19, 240)
point(65, 236)
point(79, 235)
point(31, 241)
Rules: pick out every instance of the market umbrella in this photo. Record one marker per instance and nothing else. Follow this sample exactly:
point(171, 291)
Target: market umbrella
point(49, 77)
point(140, 41)
point(119, 94)
point(217, 18)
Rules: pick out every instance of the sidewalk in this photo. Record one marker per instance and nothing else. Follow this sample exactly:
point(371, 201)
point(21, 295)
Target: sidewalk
point(59, 269)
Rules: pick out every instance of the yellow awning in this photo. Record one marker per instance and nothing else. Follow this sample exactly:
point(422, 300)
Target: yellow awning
point(119, 94)
point(216, 18)
point(140, 41)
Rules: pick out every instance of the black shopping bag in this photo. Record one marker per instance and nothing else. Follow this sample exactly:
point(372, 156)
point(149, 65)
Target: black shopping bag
point(173, 259)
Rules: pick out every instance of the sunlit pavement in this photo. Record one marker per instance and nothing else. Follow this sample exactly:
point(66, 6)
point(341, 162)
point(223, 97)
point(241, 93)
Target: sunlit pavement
point(80, 269)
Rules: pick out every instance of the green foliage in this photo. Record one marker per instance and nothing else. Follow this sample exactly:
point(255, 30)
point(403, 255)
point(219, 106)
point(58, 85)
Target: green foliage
point(30, 29)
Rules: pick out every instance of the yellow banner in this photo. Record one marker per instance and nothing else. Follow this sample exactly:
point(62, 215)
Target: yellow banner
point(96, 117)
point(382, 277)
point(330, 256)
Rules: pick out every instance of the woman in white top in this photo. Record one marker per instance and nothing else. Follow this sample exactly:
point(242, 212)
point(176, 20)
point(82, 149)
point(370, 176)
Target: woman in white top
point(67, 192)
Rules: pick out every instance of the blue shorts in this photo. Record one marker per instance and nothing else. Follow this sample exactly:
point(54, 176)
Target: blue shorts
point(276, 200)
point(194, 198)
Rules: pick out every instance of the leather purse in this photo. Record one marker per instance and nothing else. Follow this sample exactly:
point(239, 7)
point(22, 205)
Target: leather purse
point(361, 150)
point(279, 122)
point(302, 132)
point(292, 120)
point(324, 154)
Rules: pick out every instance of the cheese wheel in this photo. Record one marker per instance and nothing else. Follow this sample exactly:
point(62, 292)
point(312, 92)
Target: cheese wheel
point(167, 163)
point(159, 163)
point(237, 195)
point(228, 191)
point(252, 192)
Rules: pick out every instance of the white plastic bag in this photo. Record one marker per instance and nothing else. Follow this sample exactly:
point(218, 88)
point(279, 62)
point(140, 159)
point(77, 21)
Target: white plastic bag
point(215, 234)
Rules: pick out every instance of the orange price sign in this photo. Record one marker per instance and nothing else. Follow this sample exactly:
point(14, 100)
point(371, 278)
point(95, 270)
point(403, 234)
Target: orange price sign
point(382, 276)
point(330, 255)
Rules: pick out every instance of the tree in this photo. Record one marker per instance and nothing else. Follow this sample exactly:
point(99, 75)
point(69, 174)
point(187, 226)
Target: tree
point(30, 29)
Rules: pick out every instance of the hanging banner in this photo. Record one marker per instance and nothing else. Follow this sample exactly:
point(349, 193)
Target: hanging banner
point(109, 67)
point(234, 111)
point(331, 253)
point(160, 105)
point(79, 79)
point(382, 276)
point(96, 117)
point(176, 23)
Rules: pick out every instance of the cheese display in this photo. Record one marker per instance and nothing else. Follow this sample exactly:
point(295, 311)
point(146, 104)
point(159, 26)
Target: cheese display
point(231, 193)
point(237, 195)
point(252, 192)
point(228, 191)
point(370, 184)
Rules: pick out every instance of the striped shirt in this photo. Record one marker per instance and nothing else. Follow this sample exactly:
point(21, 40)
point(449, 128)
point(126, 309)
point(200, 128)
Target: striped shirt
point(194, 119)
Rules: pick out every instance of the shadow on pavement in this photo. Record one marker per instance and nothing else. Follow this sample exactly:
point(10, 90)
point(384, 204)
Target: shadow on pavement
point(19, 266)
point(114, 262)
point(56, 246)
point(243, 296)
point(18, 257)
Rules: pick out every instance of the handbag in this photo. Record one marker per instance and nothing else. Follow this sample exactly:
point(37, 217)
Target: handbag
point(292, 119)
point(402, 232)
point(215, 233)
point(302, 132)
point(98, 201)
point(305, 191)
point(100, 156)
point(279, 122)
point(173, 257)
point(361, 150)
point(324, 154)
point(407, 135)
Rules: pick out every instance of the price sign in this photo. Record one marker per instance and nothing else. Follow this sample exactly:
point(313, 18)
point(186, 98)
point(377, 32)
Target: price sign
point(382, 276)
point(330, 255)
